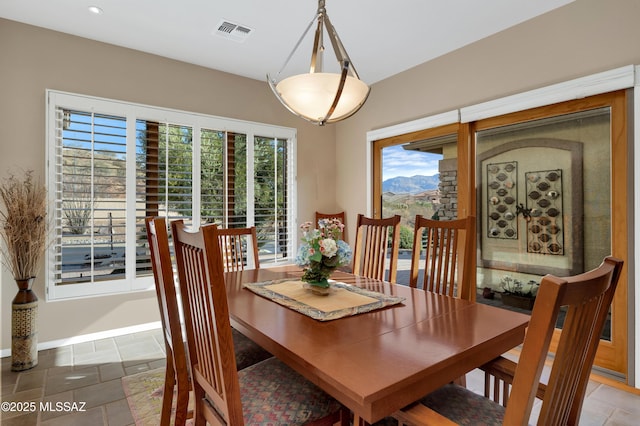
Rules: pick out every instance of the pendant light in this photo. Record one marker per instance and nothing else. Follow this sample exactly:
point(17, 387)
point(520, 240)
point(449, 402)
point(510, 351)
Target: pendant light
point(322, 97)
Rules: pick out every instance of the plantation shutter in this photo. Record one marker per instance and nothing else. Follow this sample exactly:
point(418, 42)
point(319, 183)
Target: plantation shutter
point(272, 189)
point(90, 165)
point(223, 193)
point(164, 172)
point(109, 170)
point(164, 179)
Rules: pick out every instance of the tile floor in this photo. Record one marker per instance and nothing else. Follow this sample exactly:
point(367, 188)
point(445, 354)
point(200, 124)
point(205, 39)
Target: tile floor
point(88, 373)
point(604, 405)
point(91, 373)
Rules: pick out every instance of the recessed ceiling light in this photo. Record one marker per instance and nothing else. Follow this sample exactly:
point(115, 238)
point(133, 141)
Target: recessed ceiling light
point(95, 9)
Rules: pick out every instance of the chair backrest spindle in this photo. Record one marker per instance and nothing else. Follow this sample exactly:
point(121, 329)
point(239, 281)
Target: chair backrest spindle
point(447, 264)
point(374, 239)
point(239, 248)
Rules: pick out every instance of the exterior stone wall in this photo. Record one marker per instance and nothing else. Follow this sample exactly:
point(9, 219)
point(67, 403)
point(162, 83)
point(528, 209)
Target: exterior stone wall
point(448, 187)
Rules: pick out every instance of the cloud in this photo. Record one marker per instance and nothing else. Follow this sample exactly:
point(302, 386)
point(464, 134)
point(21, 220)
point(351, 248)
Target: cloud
point(399, 162)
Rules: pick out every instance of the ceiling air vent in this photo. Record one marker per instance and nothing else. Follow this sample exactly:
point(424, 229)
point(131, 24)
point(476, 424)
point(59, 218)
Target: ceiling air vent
point(232, 31)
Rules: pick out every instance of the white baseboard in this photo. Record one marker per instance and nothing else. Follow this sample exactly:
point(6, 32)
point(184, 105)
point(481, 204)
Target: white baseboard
point(91, 336)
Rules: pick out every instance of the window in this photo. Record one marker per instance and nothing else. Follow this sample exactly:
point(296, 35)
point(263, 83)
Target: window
point(111, 164)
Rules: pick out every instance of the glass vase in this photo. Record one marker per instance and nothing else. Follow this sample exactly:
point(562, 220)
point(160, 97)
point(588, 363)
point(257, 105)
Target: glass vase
point(319, 288)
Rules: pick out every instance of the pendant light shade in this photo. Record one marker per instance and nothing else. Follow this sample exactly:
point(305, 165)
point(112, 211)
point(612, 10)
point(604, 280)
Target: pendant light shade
point(317, 96)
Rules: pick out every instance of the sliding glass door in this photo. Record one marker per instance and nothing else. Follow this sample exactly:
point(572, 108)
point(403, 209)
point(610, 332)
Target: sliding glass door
point(551, 197)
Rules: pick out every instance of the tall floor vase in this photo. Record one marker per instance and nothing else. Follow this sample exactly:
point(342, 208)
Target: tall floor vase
point(24, 327)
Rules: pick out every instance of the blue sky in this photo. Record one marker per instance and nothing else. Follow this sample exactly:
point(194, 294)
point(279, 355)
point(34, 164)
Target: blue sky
point(399, 162)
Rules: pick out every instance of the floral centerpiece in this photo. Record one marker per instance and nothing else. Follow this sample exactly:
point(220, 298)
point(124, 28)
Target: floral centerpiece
point(322, 251)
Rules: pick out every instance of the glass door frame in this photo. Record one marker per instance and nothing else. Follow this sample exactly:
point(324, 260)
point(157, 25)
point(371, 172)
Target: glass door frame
point(612, 355)
point(465, 170)
point(464, 173)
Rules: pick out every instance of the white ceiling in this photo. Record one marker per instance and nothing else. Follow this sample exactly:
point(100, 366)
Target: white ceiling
point(382, 37)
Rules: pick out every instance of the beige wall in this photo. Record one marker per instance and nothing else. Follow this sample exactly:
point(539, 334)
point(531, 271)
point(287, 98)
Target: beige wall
point(582, 38)
point(34, 59)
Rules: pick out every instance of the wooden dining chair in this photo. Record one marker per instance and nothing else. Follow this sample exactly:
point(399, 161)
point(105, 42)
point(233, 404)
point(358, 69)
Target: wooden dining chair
point(446, 265)
point(239, 247)
point(340, 215)
point(585, 300)
point(374, 239)
point(176, 373)
point(224, 396)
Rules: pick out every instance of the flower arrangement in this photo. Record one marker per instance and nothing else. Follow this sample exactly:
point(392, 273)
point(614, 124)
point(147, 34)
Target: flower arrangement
point(322, 251)
point(518, 288)
point(23, 225)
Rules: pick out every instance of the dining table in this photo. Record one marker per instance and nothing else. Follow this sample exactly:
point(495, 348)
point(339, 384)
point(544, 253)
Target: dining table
point(379, 361)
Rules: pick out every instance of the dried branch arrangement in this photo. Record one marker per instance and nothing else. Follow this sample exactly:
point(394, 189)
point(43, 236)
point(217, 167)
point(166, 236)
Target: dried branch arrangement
point(23, 225)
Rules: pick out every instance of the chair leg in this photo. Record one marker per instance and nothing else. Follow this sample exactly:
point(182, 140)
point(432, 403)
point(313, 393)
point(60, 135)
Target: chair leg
point(167, 396)
point(198, 415)
point(345, 417)
point(461, 381)
point(182, 402)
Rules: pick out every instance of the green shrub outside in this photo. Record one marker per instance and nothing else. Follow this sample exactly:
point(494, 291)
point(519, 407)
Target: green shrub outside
point(406, 237)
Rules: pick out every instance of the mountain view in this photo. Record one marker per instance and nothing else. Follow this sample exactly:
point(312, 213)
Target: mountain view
point(411, 185)
point(408, 196)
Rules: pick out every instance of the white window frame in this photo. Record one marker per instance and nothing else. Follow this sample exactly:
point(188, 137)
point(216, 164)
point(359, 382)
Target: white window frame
point(132, 112)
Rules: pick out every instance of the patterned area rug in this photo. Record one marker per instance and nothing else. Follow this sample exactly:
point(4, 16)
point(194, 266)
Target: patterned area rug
point(144, 395)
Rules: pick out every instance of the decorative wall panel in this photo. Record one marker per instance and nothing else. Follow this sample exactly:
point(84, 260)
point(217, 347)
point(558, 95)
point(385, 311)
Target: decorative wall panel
point(530, 206)
point(502, 194)
point(545, 229)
